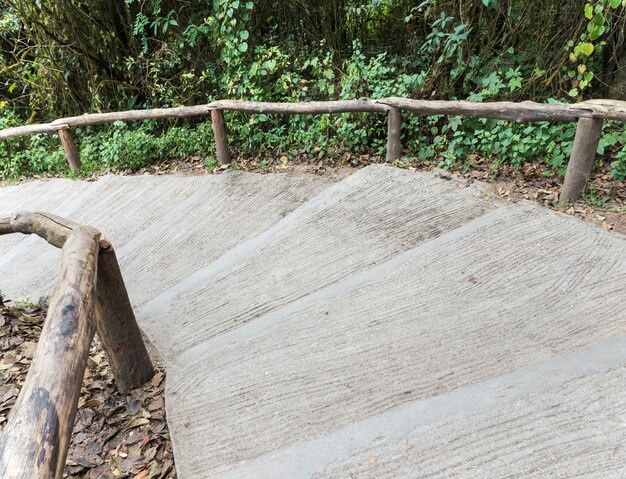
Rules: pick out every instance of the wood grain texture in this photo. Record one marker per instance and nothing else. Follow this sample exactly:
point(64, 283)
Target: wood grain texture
point(54, 229)
point(607, 109)
point(90, 119)
point(116, 325)
point(35, 441)
point(218, 124)
point(303, 108)
point(526, 287)
point(71, 152)
point(502, 110)
point(524, 111)
point(582, 159)
point(5, 226)
point(394, 130)
point(35, 129)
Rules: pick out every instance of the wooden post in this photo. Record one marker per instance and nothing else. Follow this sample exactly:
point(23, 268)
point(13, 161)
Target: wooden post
point(71, 152)
point(5, 226)
point(582, 159)
point(115, 321)
point(221, 140)
point(35, 441)
point(394, 128)
point(116, 325)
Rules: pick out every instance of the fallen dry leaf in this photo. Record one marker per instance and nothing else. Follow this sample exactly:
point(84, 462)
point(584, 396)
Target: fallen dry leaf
point(115, 435)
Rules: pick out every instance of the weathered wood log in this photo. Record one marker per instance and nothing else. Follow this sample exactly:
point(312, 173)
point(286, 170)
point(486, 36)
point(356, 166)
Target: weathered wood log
point(221, 139)
point(582, 159)
point(90, 119)
point(31, 130)
point(303, 108)
point(54, 229)
point(519, 112)
point(524, 111)
point(116, 324)
point(35, 441)
point(117, 327)
point(607, 109)
point(71, 152)
point(394, 129)
point(5, 226)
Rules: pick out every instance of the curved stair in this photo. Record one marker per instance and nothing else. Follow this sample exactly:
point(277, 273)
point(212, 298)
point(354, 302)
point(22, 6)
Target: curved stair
point(393, 324)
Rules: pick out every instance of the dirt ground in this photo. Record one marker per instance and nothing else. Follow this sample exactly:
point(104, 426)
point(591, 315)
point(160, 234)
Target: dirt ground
point(115, 435)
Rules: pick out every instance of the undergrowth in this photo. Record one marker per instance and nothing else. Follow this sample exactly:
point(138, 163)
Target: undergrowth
point(446, 142)
point(235, 49)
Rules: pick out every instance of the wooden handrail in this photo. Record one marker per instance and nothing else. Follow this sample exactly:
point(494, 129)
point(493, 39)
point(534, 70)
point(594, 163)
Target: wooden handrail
point(90, 296)
point(526, 111)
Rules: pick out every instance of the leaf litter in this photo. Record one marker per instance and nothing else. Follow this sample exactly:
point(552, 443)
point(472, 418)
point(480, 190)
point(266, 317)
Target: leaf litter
point(115, 435)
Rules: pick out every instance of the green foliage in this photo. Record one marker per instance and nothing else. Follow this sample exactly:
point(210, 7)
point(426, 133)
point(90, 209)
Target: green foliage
point(593, 197)
point(165, 53)
point(120, 147)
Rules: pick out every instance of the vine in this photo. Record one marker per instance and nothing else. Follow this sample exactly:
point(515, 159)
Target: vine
point(599, 15)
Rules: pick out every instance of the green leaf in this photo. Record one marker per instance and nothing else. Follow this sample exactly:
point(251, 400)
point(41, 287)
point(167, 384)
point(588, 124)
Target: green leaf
point(586, 48)
point(515, 83)
point(595, 31)
point(589, 11)
point(243, 47)
point(244, 34)
point(249, 5)
point(573, 92)
point(598, 20)
point(615, 3)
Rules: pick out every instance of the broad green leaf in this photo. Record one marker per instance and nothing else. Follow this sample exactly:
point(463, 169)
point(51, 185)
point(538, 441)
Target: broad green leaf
point(588, 11)
point(586, 48)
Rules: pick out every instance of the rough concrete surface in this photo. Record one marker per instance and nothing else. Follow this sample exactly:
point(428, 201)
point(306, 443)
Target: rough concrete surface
point(501, 293)
point(576, 430)
point(145, 218)
point(54, 195)
point(393, 324)
point(385, 211)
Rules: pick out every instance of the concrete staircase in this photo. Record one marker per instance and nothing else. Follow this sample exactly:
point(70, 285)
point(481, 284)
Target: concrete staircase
point(393, 324)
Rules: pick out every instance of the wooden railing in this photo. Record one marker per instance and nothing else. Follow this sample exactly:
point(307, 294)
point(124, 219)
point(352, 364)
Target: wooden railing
point(589, 115)
point(90, 296)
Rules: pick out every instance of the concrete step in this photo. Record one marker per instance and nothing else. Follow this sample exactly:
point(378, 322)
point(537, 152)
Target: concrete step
point(574, 429)
point(235, 208)
point(295, 392)
point(367, 219)
point(151, 219)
